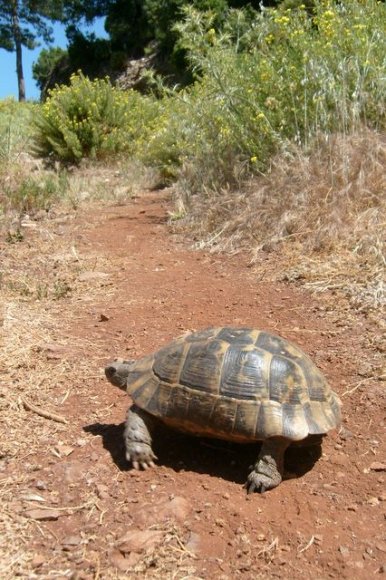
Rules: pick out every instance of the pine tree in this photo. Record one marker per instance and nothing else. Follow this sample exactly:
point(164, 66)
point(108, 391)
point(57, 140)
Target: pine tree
point(22, 23)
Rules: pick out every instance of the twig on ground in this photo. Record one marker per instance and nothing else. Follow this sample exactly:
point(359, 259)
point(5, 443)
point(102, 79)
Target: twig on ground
point(43, 412)
point(308, 545)
point(360, 383)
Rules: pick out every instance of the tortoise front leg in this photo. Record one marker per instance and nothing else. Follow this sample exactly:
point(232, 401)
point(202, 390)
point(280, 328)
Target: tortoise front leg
point(268, 470)
point(138, 438)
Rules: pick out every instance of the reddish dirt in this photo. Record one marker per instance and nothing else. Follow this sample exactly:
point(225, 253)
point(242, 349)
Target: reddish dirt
point(326, 520)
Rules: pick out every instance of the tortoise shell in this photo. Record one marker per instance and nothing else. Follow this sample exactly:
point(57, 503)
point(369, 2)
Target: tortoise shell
point(237, 384)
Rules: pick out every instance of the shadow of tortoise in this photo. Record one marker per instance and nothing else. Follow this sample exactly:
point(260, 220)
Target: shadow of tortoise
point(229, 461)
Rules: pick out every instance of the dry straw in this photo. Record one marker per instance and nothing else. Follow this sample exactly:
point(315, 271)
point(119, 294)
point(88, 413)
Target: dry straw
point(323, 214)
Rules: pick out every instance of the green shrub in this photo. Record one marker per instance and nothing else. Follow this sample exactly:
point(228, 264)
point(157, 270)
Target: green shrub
point(91, 119)
point(271, 78)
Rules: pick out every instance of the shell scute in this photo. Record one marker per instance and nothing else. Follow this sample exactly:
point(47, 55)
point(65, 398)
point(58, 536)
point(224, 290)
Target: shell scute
point(201, 369)
point(246, 419)
point(269, 421)
point(244, 374)
point(178, 404)
point(200, 408)
point(277, 345)
point(286, 381)
point(167, 362)
point(237, 336)
point(295, 426)
point(201, 335)
point(223, 416)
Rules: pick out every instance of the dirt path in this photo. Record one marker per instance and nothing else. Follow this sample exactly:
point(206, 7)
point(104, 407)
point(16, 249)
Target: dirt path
point(190, 516)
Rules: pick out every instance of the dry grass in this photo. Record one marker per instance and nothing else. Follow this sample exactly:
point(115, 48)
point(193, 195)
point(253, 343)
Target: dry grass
point(323, 213)
point(33, 307)
point(114, 183)
point(27, 187)
point(170, 559)
point(44, 276)
point(47, 279)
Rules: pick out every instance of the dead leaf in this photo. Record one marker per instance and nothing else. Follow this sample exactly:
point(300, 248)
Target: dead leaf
point(64, 450)
point(54, 351)
point(102, 491)
point(373, 501)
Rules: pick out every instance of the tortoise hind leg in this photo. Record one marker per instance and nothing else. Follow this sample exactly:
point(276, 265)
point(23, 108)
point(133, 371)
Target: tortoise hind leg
point(267, 473)
point(138, 439)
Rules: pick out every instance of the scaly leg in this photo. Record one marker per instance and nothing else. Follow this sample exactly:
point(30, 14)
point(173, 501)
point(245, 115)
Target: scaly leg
point(138, 439)
point(268, 470)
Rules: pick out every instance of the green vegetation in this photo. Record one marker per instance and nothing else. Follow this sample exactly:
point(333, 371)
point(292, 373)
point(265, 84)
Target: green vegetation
point(91, 119)
point(278, 78)
point(264, 81)
point(15, 129)
point(43, 68)
point(136, 28)
point(36, 193)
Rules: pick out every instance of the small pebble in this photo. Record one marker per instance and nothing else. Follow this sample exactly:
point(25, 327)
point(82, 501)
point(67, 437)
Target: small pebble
point(38, 560)
point(378, 466)
point(352, 508)
point(102, 491)
point(373, 501)
point(41, 485)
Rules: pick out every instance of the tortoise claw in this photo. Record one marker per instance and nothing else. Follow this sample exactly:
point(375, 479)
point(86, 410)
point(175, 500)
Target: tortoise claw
point(259, 482)
point(252, 486)
point(141, 462)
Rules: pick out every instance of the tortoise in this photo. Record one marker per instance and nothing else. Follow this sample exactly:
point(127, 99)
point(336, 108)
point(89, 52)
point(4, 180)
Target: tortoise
point(236, 384)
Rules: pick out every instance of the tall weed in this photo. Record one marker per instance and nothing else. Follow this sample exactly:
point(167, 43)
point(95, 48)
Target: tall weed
point(35, 192)
point(268, 79)
point(15, 128)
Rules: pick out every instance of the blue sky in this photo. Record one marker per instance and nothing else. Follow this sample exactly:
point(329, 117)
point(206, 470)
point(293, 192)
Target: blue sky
point(8, 79)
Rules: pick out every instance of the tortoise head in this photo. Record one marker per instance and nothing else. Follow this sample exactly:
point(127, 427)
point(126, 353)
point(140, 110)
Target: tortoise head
point(117, 372)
